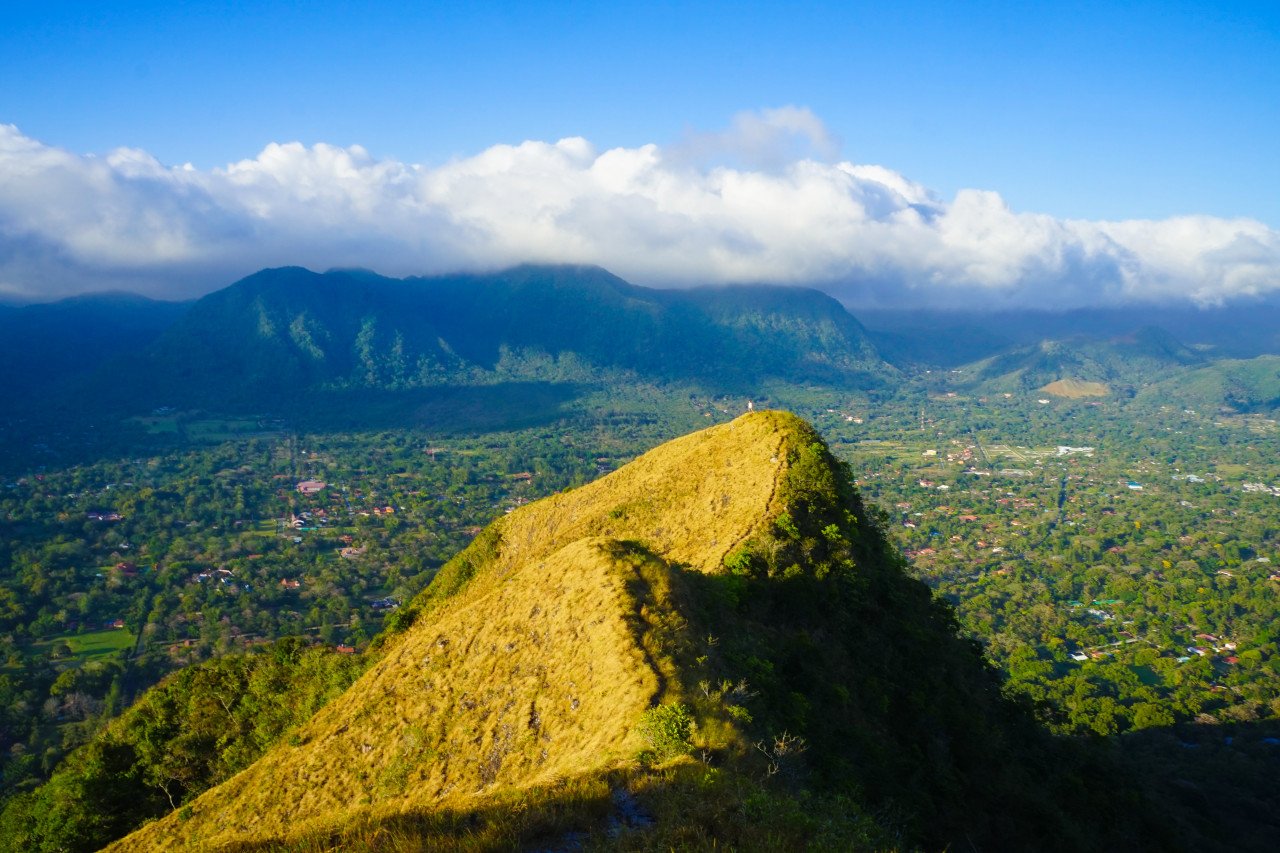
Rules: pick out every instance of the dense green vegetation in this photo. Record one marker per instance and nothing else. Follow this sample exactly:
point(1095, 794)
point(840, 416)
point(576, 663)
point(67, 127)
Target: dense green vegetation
point(1120, 587)
point(197, 728)
point(44, 346)
point(283, 334)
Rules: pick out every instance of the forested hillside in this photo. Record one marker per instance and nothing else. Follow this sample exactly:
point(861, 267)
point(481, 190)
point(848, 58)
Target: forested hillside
point(282, 333)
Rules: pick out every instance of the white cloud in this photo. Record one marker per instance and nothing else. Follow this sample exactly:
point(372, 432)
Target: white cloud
point(766, 200)
point(768, 140)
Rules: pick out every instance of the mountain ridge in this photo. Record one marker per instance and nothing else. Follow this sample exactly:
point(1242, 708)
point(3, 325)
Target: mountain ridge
point(49, 344)
point(581, 544)
point(1120, 363)
point(719, 596)
point(284, 330)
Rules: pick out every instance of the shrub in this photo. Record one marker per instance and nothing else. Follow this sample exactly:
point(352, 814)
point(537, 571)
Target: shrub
point(667, 728)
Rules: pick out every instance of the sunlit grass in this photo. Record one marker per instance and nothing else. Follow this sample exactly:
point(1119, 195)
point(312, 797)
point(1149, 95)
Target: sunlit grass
point(537, 651)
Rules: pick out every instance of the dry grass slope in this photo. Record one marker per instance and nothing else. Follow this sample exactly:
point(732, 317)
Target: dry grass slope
point(533, 661)
point(1076, 388)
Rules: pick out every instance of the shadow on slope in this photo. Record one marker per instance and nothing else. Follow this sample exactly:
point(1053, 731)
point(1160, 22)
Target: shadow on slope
point(447, 408)
point(67, 434)
point(1219, 781)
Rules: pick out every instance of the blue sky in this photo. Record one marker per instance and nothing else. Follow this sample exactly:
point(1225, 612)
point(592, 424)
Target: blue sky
point(1090, 111)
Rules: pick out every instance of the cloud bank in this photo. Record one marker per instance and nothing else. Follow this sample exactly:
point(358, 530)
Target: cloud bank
point(765, 201)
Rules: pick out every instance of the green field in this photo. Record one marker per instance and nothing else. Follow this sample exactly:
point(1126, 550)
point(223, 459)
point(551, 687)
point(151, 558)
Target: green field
point(96, 645)
point(158, 425)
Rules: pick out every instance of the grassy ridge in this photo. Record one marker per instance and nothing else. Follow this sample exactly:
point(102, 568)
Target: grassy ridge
point(534, 657)
point(714, 646)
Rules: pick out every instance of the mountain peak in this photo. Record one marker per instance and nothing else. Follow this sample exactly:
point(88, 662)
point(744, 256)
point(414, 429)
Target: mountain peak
point(727, 595)
point(530, 659)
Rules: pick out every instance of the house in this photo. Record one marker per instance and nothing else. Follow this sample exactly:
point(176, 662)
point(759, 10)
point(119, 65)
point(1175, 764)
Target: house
point(344, 649)
point(523, 476)
point(311, 487)
point(289, 583)
point(103, 515)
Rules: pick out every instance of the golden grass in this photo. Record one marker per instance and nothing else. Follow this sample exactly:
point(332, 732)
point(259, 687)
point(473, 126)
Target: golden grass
point(690, 500)
point(538, 669)
point(1076, 388)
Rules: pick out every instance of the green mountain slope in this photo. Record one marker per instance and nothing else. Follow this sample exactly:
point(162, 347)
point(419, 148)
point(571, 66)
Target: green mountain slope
point(1242, 385)
point(284, 332)
point(187, 734)
point(715, 643)
point(45, 345)
point(1122, 363)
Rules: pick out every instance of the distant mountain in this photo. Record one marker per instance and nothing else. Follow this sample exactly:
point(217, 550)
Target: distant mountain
point(283, 333)
point(45, 345)
point(713, 646)
point(1243, 385)
point(1083, 366)
point(1240, 329)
